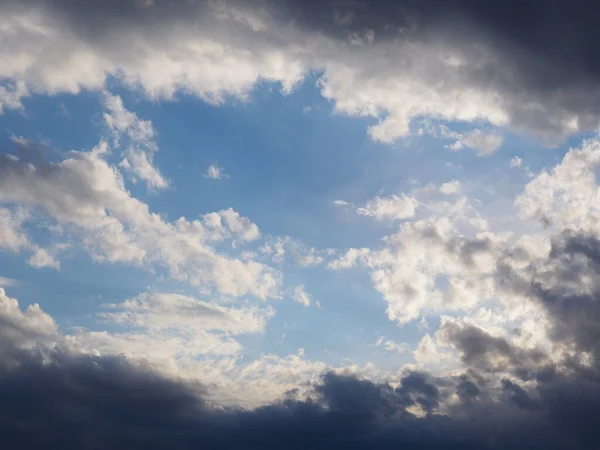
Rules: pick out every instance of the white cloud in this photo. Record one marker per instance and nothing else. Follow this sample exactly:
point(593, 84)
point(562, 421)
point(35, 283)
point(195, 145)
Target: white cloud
point(391, 346)
point(341, 203)
point(86, 195)
point(215, 172)
point(567, 196)
point(427, 351)
point(348, 259)
point(215, 50)
point(12, 236)
point(450, 188)
point(516, 162)
point(24, 329)
point(164, 311)
point(301, 296)
point(408, 270)
point(180, 337)
point(391, 207)
point(139, 154)
point(7, 282)
point(41, 258)
point(283, 249)
point(483, 142)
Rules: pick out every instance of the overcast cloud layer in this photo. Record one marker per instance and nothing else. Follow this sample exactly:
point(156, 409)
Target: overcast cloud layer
point(493, 281)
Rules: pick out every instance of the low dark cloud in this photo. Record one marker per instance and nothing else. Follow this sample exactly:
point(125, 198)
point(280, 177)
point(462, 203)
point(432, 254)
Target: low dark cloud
point(58, 400)
point(507, 397)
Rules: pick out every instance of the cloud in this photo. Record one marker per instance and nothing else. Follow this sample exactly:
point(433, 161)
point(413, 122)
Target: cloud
point(516, 162)
point(163, 311)
point(7, 282)
point(396, 64)
point(41, 258)
point(215, 172)
point(301, 296)
point(139, 154)
point(283, 249)
point(426, 352)
point(87, 195)
point(450, 188)
point(349, 259)
point(566, 196)
point(121, 401)
point(483, 142)
point(341, 203)
point(12, 236)
point(391, 346)
point(392, 207)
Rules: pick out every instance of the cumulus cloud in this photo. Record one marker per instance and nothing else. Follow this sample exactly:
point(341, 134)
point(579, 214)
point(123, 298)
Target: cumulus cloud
point(506, 395)
point(215, 172)
point(12, 236)
point(301, 296)
point(42, 258)
point(400, 63)
point(87, 195)
point(392, 207)
point(390, 346)
point(483, 142)
point(451, 187)
point(139, 154)
point(566, 196)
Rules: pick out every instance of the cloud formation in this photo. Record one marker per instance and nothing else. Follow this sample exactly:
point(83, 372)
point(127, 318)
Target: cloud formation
point(86, 194)
point(397, 63)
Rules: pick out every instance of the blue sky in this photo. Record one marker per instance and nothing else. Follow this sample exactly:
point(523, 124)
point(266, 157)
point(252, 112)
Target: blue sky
point(248, 199)
point(286, 158)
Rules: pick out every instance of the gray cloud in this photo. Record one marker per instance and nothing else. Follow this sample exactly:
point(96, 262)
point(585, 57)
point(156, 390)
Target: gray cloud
point(532, 68)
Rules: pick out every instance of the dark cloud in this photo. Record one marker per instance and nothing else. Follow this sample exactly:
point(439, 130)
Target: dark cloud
point(54, 399)
point(542, 52)
point(58, 400)
point(491, 354)
point(568, 286)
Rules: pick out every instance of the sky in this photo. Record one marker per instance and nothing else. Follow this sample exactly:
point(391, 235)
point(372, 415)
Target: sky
point(337, 224)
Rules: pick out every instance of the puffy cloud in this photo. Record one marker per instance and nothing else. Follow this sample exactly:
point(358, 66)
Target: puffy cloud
point(285, 248)
point(301, 296)
point(567, 196)
point(12, 236)
point(426, 352)
point(88, 196)
point(392, 207)
point(451, 187)
point(516, 162)
point(41, 258)
point(349, 259)
point(138, 159)
point(393, 69)
point(544, 405)
point(215, 172)
point(483, 142)
point(23, 329)
point(390, 346)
